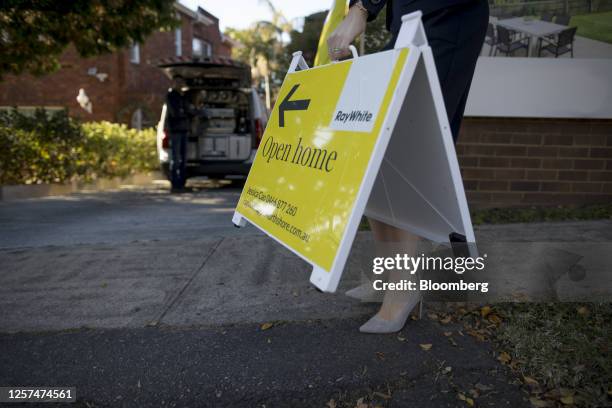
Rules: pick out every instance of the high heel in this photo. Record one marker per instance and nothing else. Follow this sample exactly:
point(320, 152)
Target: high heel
point(379, 325)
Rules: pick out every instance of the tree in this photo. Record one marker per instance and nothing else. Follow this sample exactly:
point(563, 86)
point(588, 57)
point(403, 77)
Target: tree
point(261, 46)
point(307, 41)
point(33, 34)
point(279, 22)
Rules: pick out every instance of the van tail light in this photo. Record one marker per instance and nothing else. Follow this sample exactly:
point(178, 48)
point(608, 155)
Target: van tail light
point(258, 132)
point(165, 140)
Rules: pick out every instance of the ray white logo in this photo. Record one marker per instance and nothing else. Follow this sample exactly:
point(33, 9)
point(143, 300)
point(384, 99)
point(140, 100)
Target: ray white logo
point(363, 92)
point(353, 116)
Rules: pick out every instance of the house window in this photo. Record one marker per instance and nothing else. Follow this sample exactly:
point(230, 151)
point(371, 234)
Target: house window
point(178, 38)
point(201, 48)
point(135, 53)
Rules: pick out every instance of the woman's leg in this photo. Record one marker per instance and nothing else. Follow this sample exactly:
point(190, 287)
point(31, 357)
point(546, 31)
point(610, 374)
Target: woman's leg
point(455, 35)
point(397, 304)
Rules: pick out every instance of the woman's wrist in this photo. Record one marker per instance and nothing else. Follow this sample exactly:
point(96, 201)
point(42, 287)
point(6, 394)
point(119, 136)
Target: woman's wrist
point(359, 6)
point(358, 15)
point(353, 25)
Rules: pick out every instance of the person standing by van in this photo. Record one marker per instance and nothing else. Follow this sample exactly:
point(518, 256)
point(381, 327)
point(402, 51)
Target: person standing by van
point(178, 128)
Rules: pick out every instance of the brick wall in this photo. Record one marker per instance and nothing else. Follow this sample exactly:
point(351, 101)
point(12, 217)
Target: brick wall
point(520, 162)
point(128, 86)
point(62, 87)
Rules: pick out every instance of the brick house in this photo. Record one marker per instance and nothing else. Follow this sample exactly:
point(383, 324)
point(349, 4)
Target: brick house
point(125, 86)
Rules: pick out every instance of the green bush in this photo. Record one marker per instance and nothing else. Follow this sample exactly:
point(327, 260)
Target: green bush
point(113, 150)
point(52, 148)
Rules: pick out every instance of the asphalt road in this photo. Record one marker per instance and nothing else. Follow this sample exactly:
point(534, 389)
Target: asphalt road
point(297, 364)
point(139, 297)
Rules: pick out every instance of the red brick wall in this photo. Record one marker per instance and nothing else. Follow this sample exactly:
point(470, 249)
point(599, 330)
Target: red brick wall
point(62, 87)
point(520, 162)
point(128, 86)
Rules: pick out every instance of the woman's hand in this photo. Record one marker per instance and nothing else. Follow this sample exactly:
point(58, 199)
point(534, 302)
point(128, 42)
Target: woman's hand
point(353, 24)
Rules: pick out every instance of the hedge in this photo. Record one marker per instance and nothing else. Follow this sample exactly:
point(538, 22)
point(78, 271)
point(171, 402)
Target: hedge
point(54, 148)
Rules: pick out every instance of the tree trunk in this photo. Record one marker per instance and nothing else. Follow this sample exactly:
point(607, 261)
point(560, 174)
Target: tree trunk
point(267, 87)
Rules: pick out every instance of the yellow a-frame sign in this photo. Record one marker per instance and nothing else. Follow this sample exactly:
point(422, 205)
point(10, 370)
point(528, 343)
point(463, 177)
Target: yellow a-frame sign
point(367, 135)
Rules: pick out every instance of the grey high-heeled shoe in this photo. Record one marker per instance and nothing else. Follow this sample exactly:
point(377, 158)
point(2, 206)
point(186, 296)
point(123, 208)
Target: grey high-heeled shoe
point(380, 325)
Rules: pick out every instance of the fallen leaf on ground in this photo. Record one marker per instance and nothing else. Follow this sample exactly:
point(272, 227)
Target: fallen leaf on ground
point(401, 338)
point(469, 401)
point(381, 395)
point(493, 318)
point(553, 394)
point(567, 400)
point(452, 341)
point(482, 388)
point(531, 381)
point(538, 403)
point(485, 310)
point(447, 334)
point(504, 357)
point(361, 404)
point(380, 355)
point(331, 403)
point(476, 334)
point(432, 316)
point(266, 326)
point(446, 320)
point(425, 347)
point(461, 396)
point(583, 311)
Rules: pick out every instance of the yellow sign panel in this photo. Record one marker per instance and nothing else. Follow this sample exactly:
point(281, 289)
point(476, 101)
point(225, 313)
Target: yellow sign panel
point(314, 153)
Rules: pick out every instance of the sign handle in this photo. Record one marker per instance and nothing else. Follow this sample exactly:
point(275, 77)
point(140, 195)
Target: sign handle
point(411, 31)
point(297, 62)
point(353, 51)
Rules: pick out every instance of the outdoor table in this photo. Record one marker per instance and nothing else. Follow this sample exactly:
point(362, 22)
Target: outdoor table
point(533, 28)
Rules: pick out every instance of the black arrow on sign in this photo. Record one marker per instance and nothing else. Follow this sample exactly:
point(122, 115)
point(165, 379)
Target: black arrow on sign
point(287, 105)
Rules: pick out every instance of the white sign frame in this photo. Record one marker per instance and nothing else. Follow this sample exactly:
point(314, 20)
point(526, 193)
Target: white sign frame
point(371, 198)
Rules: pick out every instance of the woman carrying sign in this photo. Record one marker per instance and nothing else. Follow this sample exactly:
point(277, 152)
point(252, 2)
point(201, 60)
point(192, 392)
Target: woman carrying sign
point(455, 31)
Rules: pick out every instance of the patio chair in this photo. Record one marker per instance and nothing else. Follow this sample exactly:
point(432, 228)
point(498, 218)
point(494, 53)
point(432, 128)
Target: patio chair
point(563, 44)
point(507, 45)
point(490, 38)
point(547, 17)
point(563, 19)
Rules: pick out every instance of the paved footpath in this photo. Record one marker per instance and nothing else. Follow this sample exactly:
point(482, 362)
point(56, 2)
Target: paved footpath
point(142, 298)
